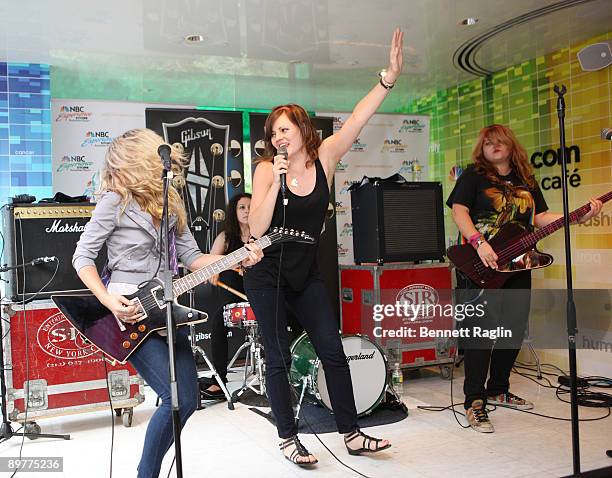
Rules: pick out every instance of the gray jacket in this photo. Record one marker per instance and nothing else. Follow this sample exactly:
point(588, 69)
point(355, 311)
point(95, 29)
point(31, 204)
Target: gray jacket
point(132, 241)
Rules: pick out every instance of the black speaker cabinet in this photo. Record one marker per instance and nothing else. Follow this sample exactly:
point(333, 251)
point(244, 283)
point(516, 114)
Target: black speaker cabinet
point(395, 220)
point(39, 230)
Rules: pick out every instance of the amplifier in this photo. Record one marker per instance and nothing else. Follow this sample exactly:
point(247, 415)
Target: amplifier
point(395, 220)
point(38, 230)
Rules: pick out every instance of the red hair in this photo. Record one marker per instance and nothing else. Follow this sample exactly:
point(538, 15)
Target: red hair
point(518, 154)
point(300, 118)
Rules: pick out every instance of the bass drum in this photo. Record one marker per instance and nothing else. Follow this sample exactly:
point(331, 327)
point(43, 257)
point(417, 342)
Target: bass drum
point(367, 363)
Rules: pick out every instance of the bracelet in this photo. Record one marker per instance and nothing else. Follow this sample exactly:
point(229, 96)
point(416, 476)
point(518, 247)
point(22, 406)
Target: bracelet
point(385, 85)
point(473, 237)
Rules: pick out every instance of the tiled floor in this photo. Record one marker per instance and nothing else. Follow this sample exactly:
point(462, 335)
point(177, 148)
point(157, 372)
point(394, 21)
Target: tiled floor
point(218, 442)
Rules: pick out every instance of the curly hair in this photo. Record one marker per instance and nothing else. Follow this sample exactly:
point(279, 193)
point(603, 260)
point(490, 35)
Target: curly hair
point(132, 168)
point(299, 117)
point(232, 229)
point(518, 154)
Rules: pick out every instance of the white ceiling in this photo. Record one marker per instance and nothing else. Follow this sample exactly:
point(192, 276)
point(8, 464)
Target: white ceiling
point(267, 37)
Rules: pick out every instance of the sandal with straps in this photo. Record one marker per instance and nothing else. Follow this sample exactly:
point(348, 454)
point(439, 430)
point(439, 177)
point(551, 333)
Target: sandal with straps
point(365, 446)
point(300, 450)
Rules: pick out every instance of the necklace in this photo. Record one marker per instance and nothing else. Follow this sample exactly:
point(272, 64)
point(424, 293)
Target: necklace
point(295, 183)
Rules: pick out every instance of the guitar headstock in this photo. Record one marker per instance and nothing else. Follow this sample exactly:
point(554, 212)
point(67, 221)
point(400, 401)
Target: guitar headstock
point(285, 234)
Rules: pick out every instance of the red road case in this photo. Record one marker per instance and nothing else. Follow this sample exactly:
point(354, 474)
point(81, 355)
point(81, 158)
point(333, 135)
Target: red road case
point(362, 287)
point(60, 373)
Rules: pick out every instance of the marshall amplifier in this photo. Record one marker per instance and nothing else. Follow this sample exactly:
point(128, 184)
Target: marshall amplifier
point(43, 230)
point(395, 220)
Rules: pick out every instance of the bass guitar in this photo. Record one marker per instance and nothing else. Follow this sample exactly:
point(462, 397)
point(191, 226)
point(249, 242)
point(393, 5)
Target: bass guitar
point(119, 340)
point(515, 248)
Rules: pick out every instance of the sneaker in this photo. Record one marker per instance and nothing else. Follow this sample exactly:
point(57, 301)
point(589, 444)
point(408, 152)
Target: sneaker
point(478, 418)
point(510, 400)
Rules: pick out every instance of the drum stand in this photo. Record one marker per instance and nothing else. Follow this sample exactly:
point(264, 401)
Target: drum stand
point(196, 349)
point(254, 365)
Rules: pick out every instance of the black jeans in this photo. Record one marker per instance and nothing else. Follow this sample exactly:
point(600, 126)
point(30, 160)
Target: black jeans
point(507, 308)
point(316, 316)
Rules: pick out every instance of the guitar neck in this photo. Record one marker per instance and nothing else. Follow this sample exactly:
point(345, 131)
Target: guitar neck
point(530, 240)
point(182, 285)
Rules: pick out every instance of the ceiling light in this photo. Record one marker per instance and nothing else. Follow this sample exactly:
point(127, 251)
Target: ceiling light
point(469, 21)
point(194, 38)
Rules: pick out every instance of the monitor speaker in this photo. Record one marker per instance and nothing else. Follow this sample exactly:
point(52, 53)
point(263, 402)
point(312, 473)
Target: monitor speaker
point(39, 230)
point(395, 220)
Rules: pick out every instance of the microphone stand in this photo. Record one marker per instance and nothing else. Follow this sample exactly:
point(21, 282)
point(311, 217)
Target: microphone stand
point(170, 329)
point(572, 329)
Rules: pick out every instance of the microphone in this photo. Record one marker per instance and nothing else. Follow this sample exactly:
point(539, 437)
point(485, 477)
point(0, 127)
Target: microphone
point(43, 260)
point(283, 177)
point(606, 133)
point(164, 154)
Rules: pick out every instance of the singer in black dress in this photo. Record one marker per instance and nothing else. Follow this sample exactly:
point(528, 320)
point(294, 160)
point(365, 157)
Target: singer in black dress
point(288, 274)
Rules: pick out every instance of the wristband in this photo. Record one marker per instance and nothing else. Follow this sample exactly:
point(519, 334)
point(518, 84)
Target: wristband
point(473, 237)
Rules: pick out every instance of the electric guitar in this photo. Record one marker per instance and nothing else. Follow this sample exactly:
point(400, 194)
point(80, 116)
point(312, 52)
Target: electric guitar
point(515, 249)
point(119, 340)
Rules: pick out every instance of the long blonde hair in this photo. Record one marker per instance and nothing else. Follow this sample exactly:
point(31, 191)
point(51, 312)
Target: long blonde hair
point(133, 169)
point(518, 154)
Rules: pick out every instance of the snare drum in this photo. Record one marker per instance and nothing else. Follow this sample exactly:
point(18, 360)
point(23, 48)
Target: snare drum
point(239, 315)
point(367, 363)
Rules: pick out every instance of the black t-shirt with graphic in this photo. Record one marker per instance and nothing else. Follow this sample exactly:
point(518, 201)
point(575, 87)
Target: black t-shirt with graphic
point(492, 205)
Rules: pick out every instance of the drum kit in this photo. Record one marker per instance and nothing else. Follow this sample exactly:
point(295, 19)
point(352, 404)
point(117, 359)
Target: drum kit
point(367, 362)
point(240, 315)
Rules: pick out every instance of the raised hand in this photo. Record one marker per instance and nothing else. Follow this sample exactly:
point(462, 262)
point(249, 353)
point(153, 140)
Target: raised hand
point(396, 56)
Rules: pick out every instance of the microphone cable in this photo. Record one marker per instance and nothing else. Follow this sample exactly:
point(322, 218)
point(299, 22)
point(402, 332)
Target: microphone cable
point(291, 387)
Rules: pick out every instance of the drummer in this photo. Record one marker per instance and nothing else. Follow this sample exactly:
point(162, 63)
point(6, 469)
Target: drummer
point(234, 236)
point(288, 273)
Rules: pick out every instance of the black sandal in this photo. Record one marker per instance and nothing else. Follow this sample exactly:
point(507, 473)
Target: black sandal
point(367, 441)
point(300, 450)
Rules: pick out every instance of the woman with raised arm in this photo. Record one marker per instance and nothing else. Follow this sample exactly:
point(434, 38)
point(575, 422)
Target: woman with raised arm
point(127, 217)
point(288, 275)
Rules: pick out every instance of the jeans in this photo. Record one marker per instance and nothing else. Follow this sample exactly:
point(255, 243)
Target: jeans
point(509, 308)
point(151, 362)
point(316, 316)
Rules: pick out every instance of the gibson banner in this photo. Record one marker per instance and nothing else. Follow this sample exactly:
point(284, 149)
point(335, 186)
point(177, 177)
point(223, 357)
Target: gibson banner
point(213, 142)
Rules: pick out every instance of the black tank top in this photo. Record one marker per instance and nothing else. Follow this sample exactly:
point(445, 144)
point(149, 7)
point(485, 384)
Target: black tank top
point(303, 213)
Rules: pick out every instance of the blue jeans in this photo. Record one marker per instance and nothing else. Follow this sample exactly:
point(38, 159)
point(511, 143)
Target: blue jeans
point(151, 362)
point(316, 316)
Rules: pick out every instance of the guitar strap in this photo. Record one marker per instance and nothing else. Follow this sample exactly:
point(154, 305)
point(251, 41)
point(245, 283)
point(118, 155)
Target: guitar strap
point(106, 272)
